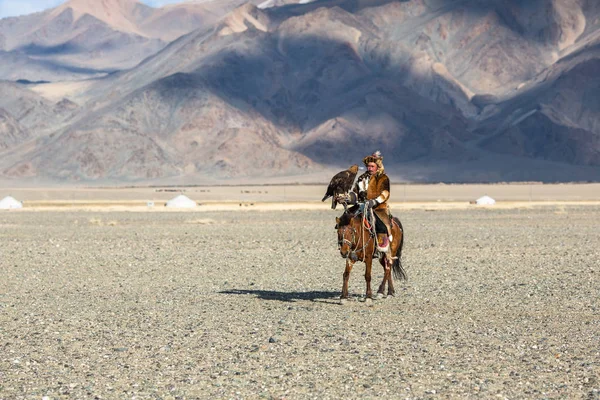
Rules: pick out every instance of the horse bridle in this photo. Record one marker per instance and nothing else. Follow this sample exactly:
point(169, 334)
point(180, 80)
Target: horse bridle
point(350, 243)
point(344, 240)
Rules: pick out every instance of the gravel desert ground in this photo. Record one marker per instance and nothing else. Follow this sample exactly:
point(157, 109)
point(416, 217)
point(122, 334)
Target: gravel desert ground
point(500, 303)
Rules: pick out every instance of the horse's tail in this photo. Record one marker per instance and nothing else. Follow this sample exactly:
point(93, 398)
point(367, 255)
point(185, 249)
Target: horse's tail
point(399, 272)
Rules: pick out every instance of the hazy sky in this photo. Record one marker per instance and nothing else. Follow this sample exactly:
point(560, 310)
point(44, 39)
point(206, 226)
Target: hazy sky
point(21, 7)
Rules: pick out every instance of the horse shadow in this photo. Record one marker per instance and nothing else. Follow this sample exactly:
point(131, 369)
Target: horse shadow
point(290, 297)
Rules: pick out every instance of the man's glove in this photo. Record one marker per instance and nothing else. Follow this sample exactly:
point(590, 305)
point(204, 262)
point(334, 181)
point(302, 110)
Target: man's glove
point(349, 198)
point(372, 203)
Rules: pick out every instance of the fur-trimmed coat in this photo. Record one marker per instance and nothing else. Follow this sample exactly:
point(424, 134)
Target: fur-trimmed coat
point(375, 187)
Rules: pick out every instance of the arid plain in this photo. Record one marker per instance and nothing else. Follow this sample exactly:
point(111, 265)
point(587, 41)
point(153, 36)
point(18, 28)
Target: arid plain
point(297, 196)
point(238, 297)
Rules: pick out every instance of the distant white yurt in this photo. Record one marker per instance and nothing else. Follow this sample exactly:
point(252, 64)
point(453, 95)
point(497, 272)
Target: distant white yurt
point(485, 201)
point(10, 202)
point(181, 201)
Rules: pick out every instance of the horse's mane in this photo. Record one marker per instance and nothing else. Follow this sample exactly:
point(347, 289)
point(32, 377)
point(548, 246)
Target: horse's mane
point(350, 213)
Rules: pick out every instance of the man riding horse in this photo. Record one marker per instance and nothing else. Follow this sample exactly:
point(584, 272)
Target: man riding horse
point(373, 188)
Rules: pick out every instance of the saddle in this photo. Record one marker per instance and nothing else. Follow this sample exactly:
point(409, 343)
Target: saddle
point(376, 227)
point(378, 230)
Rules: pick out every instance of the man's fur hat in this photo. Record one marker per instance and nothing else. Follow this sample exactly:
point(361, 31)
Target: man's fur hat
point(376, 158)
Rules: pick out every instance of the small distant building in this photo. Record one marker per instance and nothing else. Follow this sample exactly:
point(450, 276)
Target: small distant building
point(9, 203)
point(181, 201)
point(485, 201)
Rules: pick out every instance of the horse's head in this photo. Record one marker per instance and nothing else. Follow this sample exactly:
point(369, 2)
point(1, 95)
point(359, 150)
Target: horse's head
point(347, 236)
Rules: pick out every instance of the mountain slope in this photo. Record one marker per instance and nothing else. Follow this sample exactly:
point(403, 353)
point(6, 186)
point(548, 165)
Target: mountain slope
point(448, 90)
point(12, 132)
point(87, 38)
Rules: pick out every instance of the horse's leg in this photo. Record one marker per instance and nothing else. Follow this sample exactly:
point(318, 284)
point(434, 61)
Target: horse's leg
point(388, 273)
point(369, 265)
point(349, 265)
point(381, 290)
point(393, 253)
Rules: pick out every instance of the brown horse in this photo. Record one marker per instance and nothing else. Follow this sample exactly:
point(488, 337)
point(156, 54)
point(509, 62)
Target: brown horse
point(356, 243)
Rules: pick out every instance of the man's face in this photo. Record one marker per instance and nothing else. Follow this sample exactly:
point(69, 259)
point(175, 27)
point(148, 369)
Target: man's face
point(372, 168)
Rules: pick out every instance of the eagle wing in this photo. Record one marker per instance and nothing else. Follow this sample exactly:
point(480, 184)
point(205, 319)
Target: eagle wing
point(340, 183)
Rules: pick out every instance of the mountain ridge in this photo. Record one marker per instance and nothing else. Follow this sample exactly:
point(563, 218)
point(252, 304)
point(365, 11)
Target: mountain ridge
point(448, 91)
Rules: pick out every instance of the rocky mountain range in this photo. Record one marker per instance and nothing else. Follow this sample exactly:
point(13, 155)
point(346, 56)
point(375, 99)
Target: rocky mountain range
point(282, 91)
point(91, 38)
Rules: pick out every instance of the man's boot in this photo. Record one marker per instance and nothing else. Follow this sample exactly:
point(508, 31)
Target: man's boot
point(383, 243)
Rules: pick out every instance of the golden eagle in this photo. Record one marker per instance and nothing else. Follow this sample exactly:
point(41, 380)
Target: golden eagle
point(341, 183)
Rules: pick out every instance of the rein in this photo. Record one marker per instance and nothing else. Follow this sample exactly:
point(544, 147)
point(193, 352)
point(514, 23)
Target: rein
point(364, 224)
